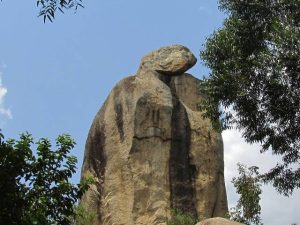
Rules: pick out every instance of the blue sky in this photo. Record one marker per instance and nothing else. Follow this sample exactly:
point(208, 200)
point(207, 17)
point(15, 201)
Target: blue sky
point(55, 76)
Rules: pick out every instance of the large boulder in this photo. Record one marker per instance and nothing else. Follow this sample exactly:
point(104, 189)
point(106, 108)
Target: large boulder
point(150, 150)
point(170, 60)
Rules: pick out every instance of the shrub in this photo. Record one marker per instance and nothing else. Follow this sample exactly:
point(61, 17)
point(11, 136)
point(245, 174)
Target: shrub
point(179, 217)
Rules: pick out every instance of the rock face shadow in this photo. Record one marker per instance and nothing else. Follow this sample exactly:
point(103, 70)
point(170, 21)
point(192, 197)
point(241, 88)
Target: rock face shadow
point(182, 173)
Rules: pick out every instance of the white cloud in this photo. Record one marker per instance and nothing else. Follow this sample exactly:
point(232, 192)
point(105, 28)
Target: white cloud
point(276, 209)
point(4, 111)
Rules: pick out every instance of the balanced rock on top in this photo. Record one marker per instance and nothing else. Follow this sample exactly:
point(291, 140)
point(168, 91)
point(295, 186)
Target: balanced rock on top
point(170, 60)
point(151, 151)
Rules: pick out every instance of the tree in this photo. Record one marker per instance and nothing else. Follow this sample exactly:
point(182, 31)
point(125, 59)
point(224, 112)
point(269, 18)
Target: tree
point(248, 186)
point(48, 8)
point(35, 188)
point(254, 83)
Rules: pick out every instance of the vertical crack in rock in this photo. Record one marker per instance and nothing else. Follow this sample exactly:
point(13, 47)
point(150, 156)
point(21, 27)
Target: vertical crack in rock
point(119, 119)
point(181, 172)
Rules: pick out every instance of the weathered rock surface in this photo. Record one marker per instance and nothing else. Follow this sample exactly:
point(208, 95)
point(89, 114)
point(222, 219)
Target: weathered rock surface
point(151, 150)
point(170, 60)
point(218, 221)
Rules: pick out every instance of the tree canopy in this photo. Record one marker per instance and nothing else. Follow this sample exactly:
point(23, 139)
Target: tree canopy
point(35, 186)
point(254, 84)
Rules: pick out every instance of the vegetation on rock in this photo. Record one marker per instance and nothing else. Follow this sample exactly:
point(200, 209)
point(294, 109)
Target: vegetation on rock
point(179, 217)
point(83, 216)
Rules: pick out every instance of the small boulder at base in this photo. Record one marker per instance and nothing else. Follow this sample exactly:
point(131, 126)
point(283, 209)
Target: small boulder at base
point(218, 221)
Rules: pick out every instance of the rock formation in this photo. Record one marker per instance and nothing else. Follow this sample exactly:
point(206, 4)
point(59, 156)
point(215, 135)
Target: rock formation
point(150, 150)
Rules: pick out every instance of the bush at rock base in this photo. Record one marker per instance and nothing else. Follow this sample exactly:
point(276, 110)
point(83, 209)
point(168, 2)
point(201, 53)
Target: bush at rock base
point(179, 217)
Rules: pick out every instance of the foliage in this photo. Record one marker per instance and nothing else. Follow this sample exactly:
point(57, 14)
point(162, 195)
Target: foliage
point(83, 216)
point(35, 188)
point(179, 217)
point(255, 79)
point(248, 187)
point(48, 8)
